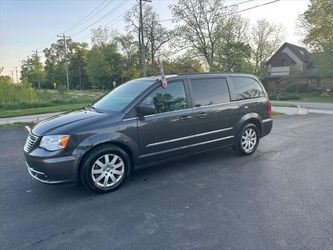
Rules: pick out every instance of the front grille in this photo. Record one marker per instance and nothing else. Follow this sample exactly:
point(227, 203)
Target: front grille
point(30, 142)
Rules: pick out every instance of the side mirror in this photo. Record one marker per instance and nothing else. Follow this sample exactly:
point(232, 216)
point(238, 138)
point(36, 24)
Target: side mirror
point(146, 109)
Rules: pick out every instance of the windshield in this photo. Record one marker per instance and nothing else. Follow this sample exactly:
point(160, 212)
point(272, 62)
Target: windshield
point(119, 98)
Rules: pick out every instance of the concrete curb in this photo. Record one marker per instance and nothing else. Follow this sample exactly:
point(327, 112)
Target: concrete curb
point(28, 118)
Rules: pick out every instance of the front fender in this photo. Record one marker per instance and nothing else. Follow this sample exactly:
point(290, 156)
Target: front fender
point(115, 137)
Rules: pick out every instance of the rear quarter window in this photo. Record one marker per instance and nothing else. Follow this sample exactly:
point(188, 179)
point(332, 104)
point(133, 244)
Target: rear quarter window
point(246, 88)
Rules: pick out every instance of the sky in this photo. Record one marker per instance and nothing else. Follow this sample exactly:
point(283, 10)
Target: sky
point(27, 25)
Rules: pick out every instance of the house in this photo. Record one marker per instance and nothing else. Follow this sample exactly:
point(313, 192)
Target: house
point(292, 65)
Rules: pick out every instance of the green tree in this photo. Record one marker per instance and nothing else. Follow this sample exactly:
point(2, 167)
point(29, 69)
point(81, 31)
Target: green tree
point(55, 63)
point(181, 64)
point(199, 27)
point(235, 57)
point(155, 35)
point(32, 70)
point(317, 24)
point(128, 46)
point(266, 38)
point(5, 80)
point(78, 65)
point(106, 65)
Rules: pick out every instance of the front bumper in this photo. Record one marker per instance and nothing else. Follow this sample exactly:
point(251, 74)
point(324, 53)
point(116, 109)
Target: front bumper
point(52, 170)
point(42, 177)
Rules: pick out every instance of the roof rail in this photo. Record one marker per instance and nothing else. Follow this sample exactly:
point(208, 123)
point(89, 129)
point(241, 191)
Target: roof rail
point(199, 73)
point(211, 73)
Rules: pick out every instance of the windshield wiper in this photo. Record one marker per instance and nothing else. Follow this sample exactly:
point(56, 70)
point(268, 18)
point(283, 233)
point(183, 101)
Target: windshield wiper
point(95, 109)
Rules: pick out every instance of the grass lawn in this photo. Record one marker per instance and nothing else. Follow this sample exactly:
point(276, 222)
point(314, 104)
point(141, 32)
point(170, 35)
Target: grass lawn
point(42, 101)
point(283, 104)
point(321, 99)
point(274, 113)
point(42, 110)
point(17, 124)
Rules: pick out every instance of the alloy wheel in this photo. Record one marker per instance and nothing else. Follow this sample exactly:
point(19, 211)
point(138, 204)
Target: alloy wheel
point(107, 170)
point(249, 140)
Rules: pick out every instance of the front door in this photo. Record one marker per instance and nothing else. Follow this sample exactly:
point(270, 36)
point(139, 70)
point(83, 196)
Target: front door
point(171, 127)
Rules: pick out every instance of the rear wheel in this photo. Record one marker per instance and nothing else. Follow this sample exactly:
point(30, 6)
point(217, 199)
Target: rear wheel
point(248, 139)
point(105, 169)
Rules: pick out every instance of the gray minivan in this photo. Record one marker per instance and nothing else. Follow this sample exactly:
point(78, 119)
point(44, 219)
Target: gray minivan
point(141, 122)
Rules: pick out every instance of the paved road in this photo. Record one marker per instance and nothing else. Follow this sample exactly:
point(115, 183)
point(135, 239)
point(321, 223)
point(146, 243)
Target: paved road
point(281, 197)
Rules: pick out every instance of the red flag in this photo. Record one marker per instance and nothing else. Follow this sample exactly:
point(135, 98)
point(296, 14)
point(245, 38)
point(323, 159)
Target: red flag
point(163, 79)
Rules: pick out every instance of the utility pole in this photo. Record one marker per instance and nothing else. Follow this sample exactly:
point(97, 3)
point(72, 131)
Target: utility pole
point(143, 52)
point(12, 75)
point(66, 62)
point(80, 76)
point(37, 70)
point(22, 63)
point(17, 81)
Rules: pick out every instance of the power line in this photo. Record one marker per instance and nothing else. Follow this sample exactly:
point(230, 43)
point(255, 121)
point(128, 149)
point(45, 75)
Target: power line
point(110, 23)
point(257, 6)
point(105, 15)
point(91, 15)
point(83, 20)
point(234, 5)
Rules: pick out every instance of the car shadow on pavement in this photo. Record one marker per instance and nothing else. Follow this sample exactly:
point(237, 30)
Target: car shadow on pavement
point(176, 168)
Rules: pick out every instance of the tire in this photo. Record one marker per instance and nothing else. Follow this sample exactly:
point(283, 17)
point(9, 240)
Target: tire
point(247, 140)
point(105, 169)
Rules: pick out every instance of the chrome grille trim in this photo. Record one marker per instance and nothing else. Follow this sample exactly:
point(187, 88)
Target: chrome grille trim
point(30, 142)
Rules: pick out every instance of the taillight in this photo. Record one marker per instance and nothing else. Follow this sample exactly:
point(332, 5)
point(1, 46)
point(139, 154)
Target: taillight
point(269, 108)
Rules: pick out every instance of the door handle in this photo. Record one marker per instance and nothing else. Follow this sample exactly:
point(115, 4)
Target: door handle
point(202, 115)
point(185, 117)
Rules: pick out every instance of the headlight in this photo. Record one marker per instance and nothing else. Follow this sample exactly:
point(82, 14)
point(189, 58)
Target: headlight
point(54, 142)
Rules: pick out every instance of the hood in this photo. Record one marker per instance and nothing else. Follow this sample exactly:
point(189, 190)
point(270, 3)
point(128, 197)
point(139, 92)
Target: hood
point(66, 123)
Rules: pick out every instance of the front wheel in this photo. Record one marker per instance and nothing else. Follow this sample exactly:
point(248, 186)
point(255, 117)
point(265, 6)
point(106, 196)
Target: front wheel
point(248, 140)
point(105, 169)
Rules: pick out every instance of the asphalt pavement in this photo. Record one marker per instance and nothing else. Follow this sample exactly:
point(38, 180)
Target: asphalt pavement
point(281, 197)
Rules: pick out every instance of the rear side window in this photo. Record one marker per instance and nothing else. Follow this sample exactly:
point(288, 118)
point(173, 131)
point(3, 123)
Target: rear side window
point(210, 91)
point(246, 88)
point(169, 99)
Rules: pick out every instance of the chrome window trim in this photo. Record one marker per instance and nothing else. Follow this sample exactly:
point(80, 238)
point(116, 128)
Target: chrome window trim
point(188, 146)
point(187, 109)
point(130, 119)
point(267, 120)
point(187, 137)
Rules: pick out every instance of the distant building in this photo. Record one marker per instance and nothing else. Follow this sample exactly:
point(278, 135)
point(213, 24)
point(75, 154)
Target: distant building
point(294, 65)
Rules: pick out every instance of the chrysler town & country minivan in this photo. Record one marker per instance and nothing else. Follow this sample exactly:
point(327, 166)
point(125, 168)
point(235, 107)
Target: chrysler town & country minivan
point(141, 122)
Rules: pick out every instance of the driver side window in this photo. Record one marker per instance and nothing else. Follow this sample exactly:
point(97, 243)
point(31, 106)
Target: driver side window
point(168, 99)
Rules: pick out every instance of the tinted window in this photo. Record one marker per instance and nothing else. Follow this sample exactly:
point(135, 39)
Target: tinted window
point(209, 91)
point(246, 88)
point(168, 99)
point(121, 96)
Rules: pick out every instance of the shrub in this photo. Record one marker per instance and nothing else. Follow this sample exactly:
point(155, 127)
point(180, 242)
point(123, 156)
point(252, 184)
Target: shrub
point(16, 93)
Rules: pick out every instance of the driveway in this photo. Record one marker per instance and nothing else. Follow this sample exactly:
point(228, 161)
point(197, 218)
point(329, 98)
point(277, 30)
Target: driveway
point(281, 197)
